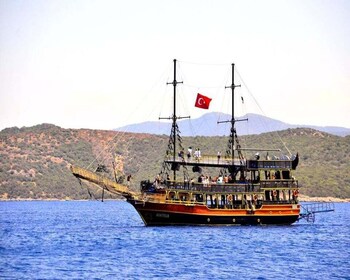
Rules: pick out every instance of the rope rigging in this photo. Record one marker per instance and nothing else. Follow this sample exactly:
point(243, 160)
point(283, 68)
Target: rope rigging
point(170, 151)
point(262, 111)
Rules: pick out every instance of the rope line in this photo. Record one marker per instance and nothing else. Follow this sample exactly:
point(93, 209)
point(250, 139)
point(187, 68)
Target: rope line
point(262, 111)
point(200, 63)
point(120, 134)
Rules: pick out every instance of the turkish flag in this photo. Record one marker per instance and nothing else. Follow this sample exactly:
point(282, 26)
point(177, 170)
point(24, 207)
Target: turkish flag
point(202, 101)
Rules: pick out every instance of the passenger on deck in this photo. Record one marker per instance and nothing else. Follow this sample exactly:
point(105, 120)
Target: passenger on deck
point(226, 179)
point(157, 181)
point(219, 156)
point(167, 179)
point(230, 180)
point(182, 155)
point(186, 184)
point(128, 179)
point(206, 181)
point(197, 154)
point(189, 153)
point(220, 180)
point(192, 182)
point(242, 178)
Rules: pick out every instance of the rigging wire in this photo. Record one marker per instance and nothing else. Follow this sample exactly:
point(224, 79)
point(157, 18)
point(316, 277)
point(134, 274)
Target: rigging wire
point(214, 90)
point(108, 150)
point(183, 96)
point(262, 111)
point(200, 63)
point(196, 86)
point(120, 134)
point(219, 84)
point(243, 114)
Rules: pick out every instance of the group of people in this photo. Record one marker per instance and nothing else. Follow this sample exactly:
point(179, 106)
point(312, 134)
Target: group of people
point(196, 154)
point(207, 181)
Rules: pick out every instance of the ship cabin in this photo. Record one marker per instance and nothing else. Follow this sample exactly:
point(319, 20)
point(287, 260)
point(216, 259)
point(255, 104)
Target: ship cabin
point(248, 184)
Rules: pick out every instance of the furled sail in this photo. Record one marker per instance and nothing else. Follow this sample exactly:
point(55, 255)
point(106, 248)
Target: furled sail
point(102, 181)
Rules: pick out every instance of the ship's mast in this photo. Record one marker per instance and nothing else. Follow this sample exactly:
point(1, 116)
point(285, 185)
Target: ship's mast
point(233, 120)
point(233, 133)
point(175, 82)
point(233, 86)
point(174, 117)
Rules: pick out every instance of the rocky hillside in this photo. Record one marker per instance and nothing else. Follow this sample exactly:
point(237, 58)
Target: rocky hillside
point(34, 161)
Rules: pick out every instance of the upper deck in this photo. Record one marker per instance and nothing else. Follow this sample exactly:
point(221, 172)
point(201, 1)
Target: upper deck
point(251, 164)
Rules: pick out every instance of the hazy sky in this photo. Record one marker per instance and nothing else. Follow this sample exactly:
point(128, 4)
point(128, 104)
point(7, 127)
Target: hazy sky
point(104, 64)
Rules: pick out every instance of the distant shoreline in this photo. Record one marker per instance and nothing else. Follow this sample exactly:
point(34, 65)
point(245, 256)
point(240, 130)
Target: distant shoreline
point(302, 198)
point(305, 198)
point(57, 199)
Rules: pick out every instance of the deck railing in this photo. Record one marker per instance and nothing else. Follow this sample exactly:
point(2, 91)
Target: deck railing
point(273, 184)
point(233, 187)
point(207, 159)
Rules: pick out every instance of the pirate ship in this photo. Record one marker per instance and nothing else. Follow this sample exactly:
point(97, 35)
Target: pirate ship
point(258, 190)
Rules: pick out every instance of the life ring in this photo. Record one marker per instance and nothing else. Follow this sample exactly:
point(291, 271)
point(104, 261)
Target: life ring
point(274, 193)
point(255, 197)
point(229, 198)
point(296, 193)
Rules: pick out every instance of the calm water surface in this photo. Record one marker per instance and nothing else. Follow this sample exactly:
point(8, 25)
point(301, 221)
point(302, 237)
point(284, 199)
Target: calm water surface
point(94, 240)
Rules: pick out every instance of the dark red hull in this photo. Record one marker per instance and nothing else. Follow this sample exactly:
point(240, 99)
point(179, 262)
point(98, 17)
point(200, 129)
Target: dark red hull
point(164, 214)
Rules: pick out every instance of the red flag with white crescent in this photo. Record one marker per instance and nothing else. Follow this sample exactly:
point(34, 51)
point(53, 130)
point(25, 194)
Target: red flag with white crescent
point(202, 101)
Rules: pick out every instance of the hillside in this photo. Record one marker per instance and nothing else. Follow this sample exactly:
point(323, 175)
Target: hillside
point(207, 125)
point(34, 161)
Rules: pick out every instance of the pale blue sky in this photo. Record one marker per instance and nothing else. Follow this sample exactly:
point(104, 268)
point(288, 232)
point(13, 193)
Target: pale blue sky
point(104, 64)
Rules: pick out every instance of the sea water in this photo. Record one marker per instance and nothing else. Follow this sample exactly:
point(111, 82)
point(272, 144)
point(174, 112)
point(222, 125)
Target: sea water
point(95, 240)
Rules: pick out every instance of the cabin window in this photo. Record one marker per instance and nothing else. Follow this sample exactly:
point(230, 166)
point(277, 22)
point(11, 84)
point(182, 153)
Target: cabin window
point(172, 195)
point(199, 197)
point(184, 196)
point(286, 174)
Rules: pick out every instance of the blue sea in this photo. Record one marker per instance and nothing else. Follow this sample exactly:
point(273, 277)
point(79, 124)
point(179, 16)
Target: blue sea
point(95, 240)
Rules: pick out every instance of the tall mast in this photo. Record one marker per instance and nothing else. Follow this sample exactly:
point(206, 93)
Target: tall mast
point(174, 118)
point(233, 86)
point(174, 112)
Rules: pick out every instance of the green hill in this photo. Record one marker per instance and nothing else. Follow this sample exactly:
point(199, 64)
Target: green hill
point(34, 161)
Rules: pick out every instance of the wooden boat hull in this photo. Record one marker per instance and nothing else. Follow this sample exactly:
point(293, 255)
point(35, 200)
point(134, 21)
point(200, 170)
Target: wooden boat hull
point(168, 214)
